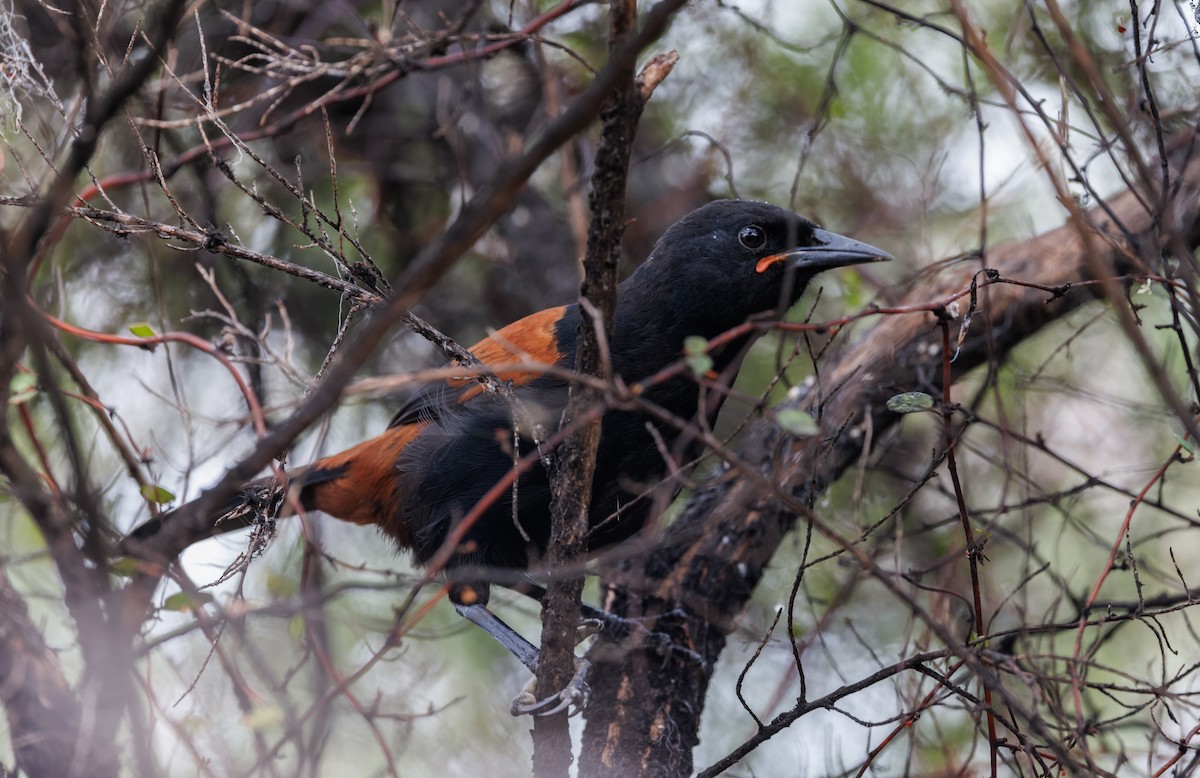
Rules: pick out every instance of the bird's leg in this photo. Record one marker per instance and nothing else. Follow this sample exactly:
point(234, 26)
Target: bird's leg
point(576, 693)
point(479, 615)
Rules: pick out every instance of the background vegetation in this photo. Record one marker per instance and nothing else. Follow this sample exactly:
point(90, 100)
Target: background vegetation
point(207, 202)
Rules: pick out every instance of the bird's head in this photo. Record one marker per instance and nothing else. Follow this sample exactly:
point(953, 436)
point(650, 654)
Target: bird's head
point(730, 259)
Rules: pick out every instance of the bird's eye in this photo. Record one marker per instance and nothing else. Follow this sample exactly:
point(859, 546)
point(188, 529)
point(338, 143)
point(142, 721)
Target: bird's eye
point(752, 237)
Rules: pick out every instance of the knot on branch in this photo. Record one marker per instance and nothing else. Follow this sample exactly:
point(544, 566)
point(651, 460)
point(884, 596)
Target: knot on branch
point(214, 240)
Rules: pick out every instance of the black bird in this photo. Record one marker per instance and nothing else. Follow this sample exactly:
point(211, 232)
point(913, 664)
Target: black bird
point(454, 441)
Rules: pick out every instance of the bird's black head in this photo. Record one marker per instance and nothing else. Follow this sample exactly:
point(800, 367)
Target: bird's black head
point(730, 259)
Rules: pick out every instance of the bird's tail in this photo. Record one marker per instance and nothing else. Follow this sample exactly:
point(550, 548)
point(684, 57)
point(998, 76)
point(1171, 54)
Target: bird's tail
point(170, 533)
point(358, 485)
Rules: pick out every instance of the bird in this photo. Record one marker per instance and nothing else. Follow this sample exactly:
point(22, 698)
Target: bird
point(454, 441)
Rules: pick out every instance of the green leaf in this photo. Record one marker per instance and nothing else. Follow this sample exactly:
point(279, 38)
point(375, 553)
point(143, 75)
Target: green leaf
point(296, 628)
point(797, 422)
point(156, 494)
point(695, 349)
point(281, 586)
point(910, 402)
point(187, 601)
point(1185, 445)
point(125, 567)
point(142, 330)
point(22, 387)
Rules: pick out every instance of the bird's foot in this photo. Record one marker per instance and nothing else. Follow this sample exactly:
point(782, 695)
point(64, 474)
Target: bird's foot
point(662, 645)
point(588, 627)
point(621, 628)
point(573, 697)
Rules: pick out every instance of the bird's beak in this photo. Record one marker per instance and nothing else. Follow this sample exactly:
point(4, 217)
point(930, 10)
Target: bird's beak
point(828, 250)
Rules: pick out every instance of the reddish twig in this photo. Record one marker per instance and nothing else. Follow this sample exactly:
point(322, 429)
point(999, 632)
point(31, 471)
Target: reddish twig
point(148, 343)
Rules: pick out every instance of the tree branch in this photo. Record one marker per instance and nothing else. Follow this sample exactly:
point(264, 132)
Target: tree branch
point(576, 458)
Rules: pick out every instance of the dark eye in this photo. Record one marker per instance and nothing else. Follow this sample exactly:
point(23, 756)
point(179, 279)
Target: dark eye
point(752, 237)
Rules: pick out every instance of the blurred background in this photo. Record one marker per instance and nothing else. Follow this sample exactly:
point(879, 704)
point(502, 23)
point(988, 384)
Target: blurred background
point(867, 117)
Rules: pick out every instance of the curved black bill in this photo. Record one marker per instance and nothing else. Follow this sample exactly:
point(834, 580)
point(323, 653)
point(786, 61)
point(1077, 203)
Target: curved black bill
point(828, 250)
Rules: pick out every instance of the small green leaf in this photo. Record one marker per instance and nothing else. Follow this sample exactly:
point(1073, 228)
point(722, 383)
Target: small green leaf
point(125, 567)
point(1185, 445)
point(296, 628)
point(910, 402)
point(22, 387)
point(187, 601)
point(695, 349)
point(797, 422)
point(142, 330)
point(156, 494)
point(281, 586)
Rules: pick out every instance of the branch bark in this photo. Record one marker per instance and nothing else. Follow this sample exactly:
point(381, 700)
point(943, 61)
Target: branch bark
point(575, 461)
point(577, 457)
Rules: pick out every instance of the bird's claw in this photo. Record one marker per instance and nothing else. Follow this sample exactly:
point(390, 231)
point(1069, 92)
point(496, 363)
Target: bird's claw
point(574, 697)
point(587, 628)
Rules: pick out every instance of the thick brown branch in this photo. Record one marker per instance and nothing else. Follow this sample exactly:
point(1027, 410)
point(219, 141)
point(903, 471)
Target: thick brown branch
point(576, 458)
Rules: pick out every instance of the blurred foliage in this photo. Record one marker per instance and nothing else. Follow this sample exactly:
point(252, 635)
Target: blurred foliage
point(866, 116)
